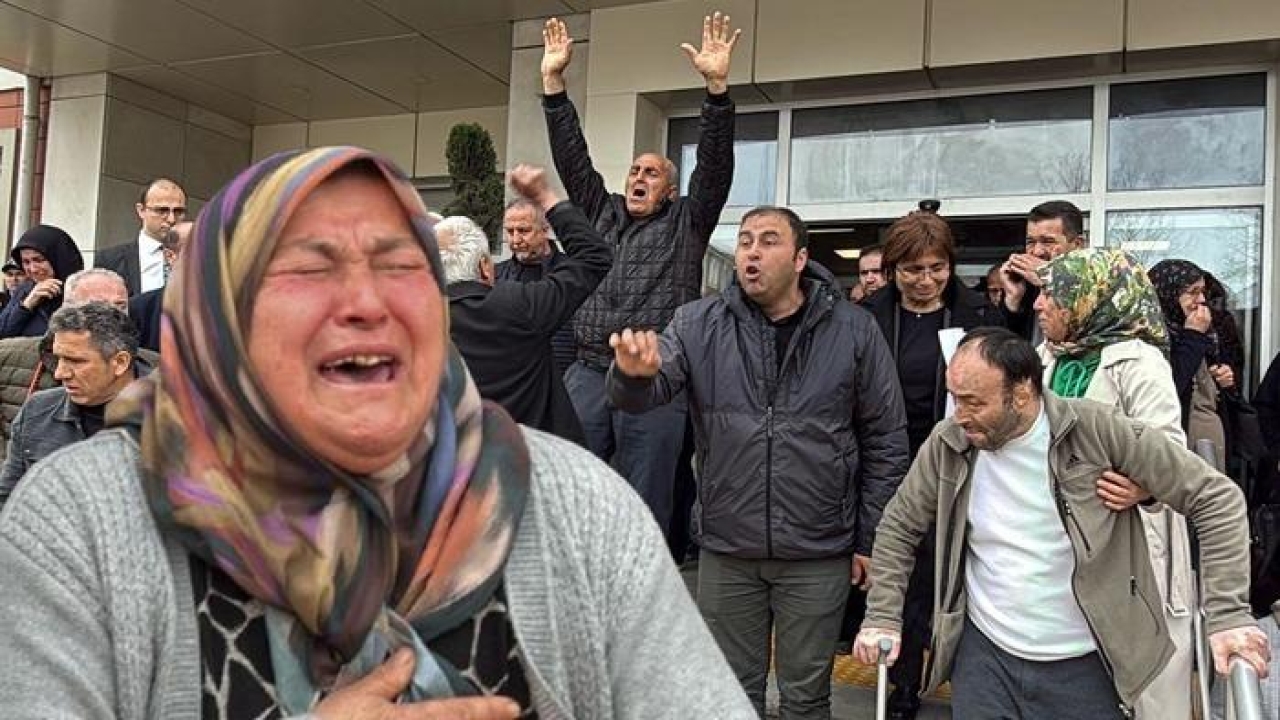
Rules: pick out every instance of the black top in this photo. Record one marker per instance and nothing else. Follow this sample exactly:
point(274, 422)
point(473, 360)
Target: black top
point(238, 681)
point(504, 331)
point(564, 349)
point(783, 329)
point(92, 418)
point(919, 355)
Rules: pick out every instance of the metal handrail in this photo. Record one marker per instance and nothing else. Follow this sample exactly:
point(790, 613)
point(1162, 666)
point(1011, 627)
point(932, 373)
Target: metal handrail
point(1244, 693)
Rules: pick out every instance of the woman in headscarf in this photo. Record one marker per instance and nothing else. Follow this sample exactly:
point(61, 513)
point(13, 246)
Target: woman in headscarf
point(49, 256)
point(308, 509)
point(1193, 350)
point(1105, 340)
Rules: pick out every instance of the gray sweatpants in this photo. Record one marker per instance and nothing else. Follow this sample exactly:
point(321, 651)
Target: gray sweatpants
point(988, 683)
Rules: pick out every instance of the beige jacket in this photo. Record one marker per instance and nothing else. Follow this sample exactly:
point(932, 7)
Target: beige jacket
point(1114, 582)
point(1135, 378)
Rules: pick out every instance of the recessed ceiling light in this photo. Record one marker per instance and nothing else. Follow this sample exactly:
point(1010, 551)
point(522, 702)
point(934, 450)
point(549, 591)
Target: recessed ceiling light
point(849, 253)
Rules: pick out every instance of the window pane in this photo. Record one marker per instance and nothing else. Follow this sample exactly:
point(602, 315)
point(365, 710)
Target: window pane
point(755, 156)
point(1207, 132)
point(991, 145)
point(1226, 242)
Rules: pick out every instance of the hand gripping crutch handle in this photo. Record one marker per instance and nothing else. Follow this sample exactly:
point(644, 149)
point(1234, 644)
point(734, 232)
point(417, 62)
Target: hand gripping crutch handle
point(882, 678)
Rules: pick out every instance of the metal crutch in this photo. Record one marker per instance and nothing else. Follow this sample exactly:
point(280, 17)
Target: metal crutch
point(882, 678)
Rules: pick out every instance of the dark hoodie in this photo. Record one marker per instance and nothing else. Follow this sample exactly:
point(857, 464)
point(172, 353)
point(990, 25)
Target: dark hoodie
point(61, 252)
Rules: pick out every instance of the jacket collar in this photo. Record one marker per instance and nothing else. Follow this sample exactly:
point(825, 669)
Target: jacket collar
point(67, 411)
point(1062, 418)
point(466, 289)
point(816, 282)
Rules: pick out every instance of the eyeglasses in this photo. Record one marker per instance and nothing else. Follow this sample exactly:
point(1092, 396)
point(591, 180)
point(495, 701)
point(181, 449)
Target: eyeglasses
point(871, 271)
point(162, 211)
point(917, 272)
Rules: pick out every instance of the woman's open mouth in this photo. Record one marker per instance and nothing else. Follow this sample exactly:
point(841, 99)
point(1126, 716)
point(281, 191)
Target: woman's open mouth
point(360, 369)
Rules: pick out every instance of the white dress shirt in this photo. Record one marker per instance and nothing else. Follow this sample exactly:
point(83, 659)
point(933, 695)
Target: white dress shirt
point(150, 263)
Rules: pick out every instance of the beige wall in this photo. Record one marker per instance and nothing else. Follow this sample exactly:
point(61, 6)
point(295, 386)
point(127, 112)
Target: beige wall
point(1178, 23)
point(831, 38)
point(414, 142)
point(966, 32)
point(109, 136)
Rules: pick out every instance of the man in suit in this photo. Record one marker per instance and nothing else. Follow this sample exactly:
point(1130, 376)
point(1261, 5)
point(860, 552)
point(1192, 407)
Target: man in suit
point(145, 308)
point(141, 262)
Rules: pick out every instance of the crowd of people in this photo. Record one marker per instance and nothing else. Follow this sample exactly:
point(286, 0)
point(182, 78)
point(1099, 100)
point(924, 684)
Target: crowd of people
point(315, 454)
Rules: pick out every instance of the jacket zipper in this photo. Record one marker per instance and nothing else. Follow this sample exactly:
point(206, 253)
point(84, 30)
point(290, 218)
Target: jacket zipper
point(768, 481)
point(1066, 510)
point(1065, 514)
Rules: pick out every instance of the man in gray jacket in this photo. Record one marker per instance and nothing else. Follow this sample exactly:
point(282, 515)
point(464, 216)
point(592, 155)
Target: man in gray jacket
point(801, 440)
point(1045, 603)
point(95, 351)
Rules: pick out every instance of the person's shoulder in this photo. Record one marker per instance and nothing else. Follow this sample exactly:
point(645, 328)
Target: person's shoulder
point(570, 481)
point(114, 253)
point(80, 489)
point(44, 401)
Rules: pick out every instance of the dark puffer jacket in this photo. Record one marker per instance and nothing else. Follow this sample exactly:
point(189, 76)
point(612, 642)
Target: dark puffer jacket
point(796, 463)
point(60, 250)
point(657, 260)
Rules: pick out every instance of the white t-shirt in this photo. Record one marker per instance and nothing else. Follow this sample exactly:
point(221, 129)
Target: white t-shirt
point(1019, 563)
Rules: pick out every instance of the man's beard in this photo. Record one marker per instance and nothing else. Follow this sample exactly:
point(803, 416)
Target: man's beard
point(1006, 430)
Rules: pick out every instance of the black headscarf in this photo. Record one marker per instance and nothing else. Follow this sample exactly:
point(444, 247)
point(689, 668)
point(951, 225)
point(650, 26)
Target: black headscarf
point(1172, 278)
point(55, 245)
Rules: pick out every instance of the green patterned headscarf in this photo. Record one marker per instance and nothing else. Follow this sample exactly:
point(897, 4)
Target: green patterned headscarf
point(350, 567)
point(1109, 298)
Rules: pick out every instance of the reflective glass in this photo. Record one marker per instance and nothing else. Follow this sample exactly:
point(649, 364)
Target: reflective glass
point(755, 161)
point(988, 145)
point(1204, 132)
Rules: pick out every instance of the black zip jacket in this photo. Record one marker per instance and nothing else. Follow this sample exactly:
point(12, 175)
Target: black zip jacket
point(795, 463)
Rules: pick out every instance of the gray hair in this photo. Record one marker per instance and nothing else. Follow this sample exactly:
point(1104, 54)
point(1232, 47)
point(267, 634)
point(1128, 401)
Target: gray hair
point(73, 282)
point(110, 331)
point(462, 257)
point(520, 203)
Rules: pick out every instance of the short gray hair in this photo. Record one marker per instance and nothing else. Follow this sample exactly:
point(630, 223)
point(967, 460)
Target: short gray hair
point(461, 258)
point(73, 282)
point(110, 331)
point(520, 203)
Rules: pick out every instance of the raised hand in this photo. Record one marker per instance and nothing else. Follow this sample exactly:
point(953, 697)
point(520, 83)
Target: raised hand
point(712, 59)
point(635, 352)
point(530, 182)
point(557, 50)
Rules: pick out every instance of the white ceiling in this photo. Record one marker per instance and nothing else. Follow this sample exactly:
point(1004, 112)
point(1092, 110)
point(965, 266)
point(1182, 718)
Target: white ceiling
point(267, 61)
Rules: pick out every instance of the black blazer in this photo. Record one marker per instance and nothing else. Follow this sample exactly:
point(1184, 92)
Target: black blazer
point(123, 259)
point(145, 309)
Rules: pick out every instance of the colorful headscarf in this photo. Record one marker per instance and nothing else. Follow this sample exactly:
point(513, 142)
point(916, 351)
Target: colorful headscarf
point(1109, 299)
point(350, 567)
point(1171, 278)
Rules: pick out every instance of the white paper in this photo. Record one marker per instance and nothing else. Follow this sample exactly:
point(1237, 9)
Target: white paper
point(949, 339)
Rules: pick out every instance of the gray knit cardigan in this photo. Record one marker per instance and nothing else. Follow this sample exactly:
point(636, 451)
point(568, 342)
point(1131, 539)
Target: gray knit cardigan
point(97, 616)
